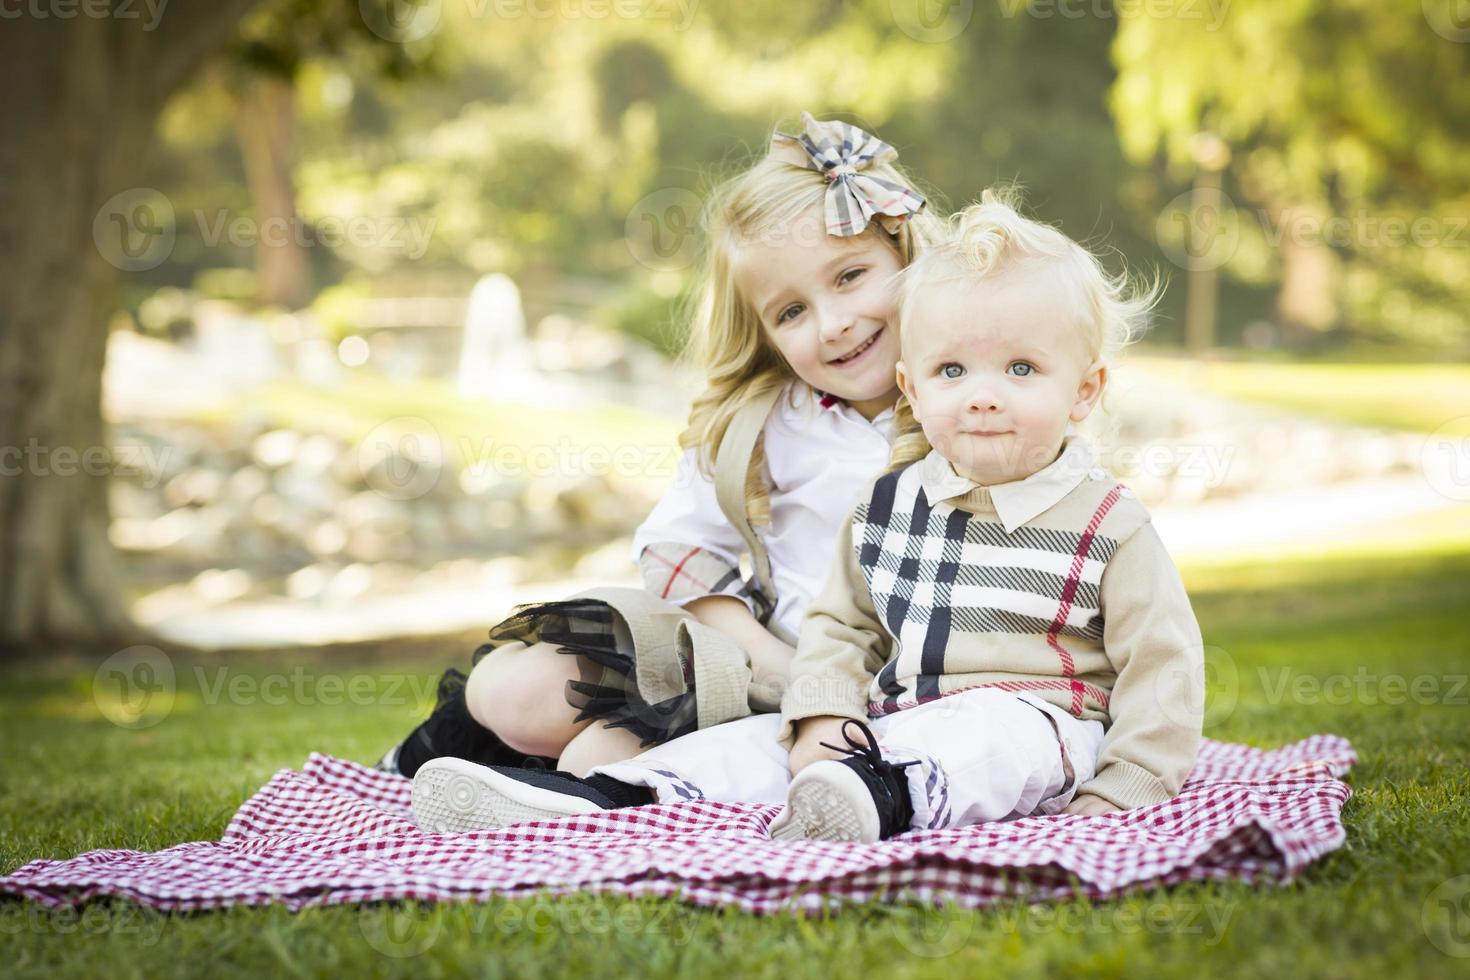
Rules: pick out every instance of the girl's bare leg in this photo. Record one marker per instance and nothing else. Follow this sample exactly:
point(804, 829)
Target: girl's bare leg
point(598, 745)
point(518, 692)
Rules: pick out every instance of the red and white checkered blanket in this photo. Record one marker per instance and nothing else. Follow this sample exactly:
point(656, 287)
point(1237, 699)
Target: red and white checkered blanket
point(338, 832)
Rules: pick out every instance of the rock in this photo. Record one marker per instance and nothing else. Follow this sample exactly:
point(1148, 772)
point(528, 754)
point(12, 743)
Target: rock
point(246, 484)
point(366, 509)
point(308, 582)
point(592, 504)
point(275, 449)
point(129, 500)
point(367, 544)
point(326, 539)
point(221, 585)
point(193, 487)
point(349, 583)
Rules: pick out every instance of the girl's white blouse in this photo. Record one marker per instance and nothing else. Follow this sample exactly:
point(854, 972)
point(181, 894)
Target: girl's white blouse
point(819, 460)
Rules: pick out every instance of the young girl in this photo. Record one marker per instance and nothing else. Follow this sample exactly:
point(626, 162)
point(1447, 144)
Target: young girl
point(1002, 632)
point(793, 332)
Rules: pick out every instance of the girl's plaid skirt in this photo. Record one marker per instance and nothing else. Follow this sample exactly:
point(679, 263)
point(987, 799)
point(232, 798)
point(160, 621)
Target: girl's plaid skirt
point(647, 665)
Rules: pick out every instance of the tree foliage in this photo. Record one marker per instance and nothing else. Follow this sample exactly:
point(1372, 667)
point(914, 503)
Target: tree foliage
point(1349, 124)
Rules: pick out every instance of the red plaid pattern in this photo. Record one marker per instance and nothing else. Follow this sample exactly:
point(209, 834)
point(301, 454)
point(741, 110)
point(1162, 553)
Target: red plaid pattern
point(1069, 592)
point(680, 571)
point(338, 832)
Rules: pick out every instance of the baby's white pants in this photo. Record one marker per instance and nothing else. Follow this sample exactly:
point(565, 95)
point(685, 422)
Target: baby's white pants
point(983, 755)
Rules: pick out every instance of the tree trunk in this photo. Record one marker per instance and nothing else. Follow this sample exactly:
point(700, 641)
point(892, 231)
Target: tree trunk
point(265, 124)
point(81, 96)
point(1311, 275)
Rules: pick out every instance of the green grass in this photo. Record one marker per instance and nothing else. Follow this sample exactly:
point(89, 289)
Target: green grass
point(1413, 397)
point(1303, 647)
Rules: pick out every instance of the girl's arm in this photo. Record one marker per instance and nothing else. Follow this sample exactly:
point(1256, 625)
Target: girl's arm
point(843, 645)
point(685, 548)
point(770, 659)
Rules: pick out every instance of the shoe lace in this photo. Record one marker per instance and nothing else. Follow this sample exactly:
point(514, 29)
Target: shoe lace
point(891, 778)
point(867, 749)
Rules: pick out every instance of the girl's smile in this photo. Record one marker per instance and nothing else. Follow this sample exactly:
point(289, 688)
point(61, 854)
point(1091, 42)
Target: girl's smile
point(825, 303)
point(857, 354)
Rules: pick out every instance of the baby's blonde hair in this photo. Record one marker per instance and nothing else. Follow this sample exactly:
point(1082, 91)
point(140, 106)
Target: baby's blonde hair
point(993, 239)
point(726, 341)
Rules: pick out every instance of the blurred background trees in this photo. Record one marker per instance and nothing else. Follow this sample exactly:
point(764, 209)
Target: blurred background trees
point(1300, 165)
point(527, 141)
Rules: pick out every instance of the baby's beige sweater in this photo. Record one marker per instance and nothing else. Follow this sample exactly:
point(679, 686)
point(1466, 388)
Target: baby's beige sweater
point(1056, 585)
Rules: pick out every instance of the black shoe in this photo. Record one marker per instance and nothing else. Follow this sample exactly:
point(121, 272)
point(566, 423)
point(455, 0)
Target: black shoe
point(452, 731)
point(452, 796)
point(860, 798)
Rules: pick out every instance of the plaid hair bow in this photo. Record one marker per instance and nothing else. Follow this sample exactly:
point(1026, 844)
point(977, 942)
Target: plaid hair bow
point(841, 151)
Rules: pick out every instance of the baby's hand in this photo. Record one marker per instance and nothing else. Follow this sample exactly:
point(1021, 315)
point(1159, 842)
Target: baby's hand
point(810, 733)
point(1091, 806)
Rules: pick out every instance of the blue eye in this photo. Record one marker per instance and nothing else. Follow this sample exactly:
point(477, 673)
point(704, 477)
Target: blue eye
point(946, 372)
point(850, 275)
point(1019, 365)
point(787, 313)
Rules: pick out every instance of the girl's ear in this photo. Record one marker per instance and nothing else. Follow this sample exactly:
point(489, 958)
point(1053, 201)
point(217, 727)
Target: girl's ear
point(903, 381)
point(1094, 380)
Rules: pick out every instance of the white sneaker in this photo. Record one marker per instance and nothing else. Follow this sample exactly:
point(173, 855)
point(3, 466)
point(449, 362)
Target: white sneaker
point(828, 801)
point(862, 797)
point(451, 796)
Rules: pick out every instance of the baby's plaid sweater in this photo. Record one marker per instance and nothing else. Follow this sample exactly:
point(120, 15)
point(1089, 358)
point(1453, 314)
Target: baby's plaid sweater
point(1080, 605)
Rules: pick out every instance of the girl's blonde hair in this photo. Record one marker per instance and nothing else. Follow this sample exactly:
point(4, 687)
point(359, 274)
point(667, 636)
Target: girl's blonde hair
point(992, 239)
point(726, 341)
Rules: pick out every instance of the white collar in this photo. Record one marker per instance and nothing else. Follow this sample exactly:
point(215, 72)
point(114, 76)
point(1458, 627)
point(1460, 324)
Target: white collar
point(802, 394)
point(1020, 500)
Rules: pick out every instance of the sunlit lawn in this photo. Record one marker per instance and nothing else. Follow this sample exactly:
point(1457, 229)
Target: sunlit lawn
point(431, 416)
point(1415, 397)
point(1310, 645)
